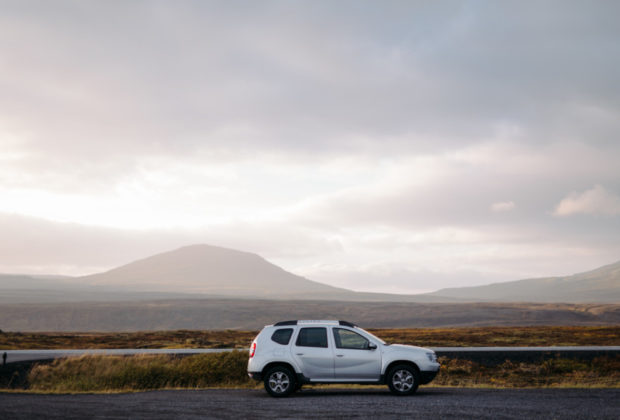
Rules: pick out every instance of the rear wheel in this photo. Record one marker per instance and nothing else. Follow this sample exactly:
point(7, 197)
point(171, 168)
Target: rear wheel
point(279, 381)
point(403, 380)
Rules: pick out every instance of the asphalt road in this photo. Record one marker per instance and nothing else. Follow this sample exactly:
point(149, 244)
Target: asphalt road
point(325, 403)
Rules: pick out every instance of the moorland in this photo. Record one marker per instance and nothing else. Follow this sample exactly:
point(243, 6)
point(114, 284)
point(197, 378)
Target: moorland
point(429, 337)
point(253, 314)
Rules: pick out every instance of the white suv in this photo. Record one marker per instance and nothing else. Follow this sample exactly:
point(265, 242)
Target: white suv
point(288, 354)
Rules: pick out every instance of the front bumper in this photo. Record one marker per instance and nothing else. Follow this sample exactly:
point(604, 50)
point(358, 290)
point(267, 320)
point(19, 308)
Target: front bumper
point(427, 376)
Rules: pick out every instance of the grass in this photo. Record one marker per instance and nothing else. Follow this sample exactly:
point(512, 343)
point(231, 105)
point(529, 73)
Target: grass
point(143, 372)
point(601, 372)
point(429, 337)
point(228, 370)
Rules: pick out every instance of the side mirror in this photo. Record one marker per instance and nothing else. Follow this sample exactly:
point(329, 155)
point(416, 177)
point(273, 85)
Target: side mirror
point(372, 346)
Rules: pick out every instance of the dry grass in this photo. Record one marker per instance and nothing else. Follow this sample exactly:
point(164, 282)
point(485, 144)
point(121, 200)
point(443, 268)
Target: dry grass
point(228, 370)
point(601, 372)
point(109, 373)
point(429, 337)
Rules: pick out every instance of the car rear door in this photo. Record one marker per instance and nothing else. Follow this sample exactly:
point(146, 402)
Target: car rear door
point(313, 354)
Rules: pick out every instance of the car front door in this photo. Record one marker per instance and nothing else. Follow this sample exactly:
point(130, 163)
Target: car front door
point(313, 354)
point(356, 357)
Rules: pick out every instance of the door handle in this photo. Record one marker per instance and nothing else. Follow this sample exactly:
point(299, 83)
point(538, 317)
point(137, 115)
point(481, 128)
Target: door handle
point(299, 354)
point(340, 355)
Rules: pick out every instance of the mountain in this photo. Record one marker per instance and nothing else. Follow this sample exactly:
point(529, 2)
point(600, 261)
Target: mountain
point(210, 270)
point(599, 285)
point(221, 272)
point(191, 272)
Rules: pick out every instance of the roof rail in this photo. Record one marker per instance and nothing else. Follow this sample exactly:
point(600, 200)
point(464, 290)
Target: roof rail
point(296, 322)
point(277, 324)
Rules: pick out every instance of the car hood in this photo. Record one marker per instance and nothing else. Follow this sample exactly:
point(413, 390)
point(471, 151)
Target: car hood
point(405, 348)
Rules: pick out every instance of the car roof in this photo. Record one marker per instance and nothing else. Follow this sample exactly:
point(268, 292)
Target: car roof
point(314, 321)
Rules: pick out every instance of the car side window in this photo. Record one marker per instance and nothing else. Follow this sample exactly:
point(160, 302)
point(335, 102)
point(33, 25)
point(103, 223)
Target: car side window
point(347, 339)
point(282, 336)
point(312, 337)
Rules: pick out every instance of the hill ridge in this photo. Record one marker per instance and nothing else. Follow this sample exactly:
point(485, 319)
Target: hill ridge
point(601, 284)
point(210, 269)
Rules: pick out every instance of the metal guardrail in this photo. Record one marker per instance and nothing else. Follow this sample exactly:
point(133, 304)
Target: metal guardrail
point(530, 349)
point(498, 355)
point(485, 354)
point(33, 355)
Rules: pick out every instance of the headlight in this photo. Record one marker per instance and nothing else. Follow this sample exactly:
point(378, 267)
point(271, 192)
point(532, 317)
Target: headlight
point(432, 356)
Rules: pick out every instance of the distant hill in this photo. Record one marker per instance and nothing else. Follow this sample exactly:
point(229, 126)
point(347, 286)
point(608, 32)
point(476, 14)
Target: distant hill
point(600, 285)
point(210, 270)
point(205, 271)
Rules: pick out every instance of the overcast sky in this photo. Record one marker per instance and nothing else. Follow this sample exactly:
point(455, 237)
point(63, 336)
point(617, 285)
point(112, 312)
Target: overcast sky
point(395, 146)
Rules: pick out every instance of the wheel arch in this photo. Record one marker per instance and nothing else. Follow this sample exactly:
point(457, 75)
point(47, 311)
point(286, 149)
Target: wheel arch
point(278, 363)
point(398, 362)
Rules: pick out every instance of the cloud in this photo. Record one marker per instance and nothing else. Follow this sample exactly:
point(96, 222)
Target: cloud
point(184, 78)
point(595, 201)
point(455, 189)
point(502, 206)
point(310, 132)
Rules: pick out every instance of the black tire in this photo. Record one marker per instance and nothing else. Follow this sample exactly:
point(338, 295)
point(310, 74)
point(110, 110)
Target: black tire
point(403, 380)
point(279, 381)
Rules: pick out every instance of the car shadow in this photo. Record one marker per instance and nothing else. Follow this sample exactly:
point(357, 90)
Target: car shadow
point(379, 392)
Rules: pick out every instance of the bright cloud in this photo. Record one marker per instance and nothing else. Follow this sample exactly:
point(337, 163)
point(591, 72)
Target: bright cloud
point(595, 201)
point(501, 206)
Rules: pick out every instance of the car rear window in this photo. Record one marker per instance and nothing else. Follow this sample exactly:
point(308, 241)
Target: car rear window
point(312, 337)
point(282, 336)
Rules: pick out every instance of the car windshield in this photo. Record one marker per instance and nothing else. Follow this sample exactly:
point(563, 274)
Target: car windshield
point(374, 336)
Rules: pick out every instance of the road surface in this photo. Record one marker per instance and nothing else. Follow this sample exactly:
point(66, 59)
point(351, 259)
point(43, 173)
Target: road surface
point(428, 403)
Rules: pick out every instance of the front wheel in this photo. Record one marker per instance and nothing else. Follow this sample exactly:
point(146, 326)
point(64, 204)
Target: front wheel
point(403, 380)
point(279, 381)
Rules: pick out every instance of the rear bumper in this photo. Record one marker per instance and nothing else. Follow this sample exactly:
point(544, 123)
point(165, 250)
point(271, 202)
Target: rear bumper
point(257, 376)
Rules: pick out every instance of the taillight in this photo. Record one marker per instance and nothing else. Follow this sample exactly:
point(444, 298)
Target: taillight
point(253, 349)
